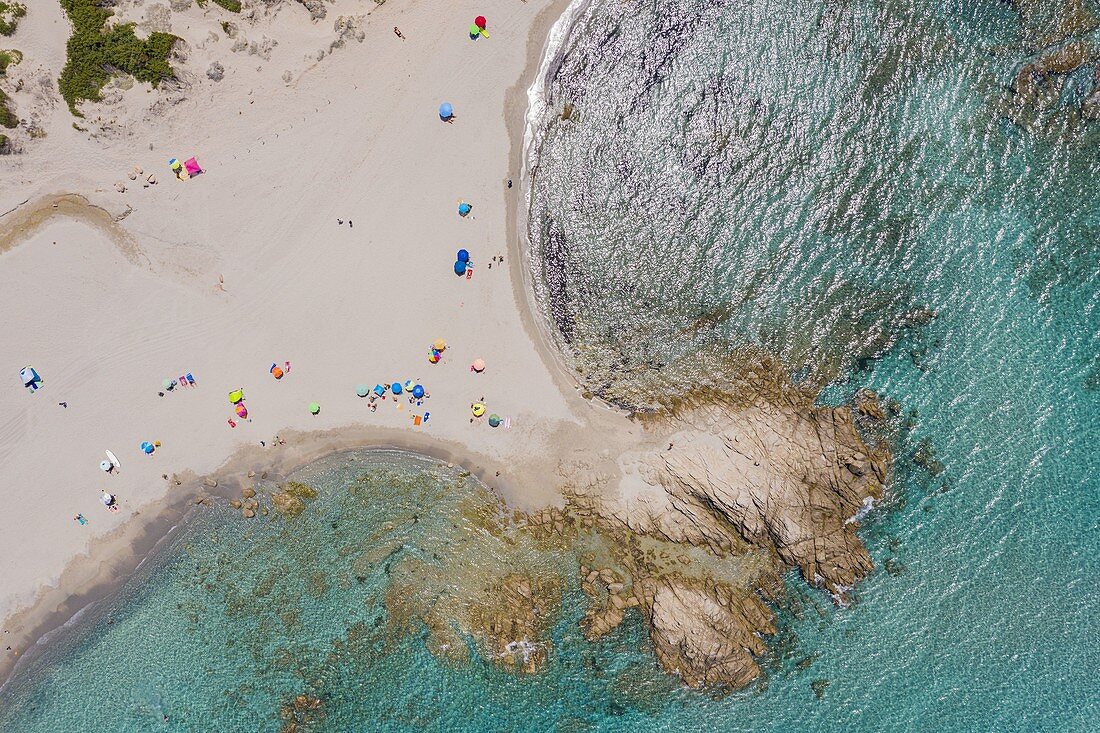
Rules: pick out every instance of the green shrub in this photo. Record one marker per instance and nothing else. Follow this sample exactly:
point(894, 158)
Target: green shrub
point(95, 50)
point(7, 58)
point(7, 117)
point(233, 6)
point(10, 13)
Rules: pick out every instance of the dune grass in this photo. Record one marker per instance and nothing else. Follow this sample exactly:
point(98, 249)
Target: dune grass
point(96, 50)
point(10, 13)
point(233, 6)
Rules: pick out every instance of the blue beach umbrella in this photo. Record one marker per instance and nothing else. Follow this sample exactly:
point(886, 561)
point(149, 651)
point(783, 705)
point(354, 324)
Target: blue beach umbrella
point(446, 111)
point(460, 267)
point(464, 209)
point(147, 448)
point(362, 390)
point(418, 391)
point(396, 387)
point(379, 390)
point(463, 256)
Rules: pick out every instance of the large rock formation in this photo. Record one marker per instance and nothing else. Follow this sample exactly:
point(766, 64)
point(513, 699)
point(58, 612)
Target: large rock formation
point(761, 489)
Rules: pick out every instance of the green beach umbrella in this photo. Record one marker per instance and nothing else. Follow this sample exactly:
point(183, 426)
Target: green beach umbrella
point(362, 390)
point(494, 420)
point(314, 408)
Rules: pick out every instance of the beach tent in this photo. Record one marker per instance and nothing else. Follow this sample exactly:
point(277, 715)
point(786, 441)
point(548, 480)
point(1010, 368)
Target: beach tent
point(446, 111)
point(236, 396)
point(192, 167)
point(379, 390)
point(362, 390)
point(30, 377)
point(439, 345)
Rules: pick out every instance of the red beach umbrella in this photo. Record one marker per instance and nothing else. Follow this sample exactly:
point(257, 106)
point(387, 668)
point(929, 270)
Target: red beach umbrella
point(480, 21)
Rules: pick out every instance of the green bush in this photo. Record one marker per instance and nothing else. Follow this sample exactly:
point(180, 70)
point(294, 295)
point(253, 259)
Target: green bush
point(233, 6)
point(10, 13)
point(94, 51)
point(7, 117)
point(7, 58)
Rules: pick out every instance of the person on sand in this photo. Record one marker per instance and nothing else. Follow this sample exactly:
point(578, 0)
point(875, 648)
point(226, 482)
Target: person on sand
point(397, 32)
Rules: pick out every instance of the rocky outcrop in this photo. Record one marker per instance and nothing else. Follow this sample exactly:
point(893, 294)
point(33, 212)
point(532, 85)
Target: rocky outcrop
point(785, 480)
point(707, 633)
point(755, 490)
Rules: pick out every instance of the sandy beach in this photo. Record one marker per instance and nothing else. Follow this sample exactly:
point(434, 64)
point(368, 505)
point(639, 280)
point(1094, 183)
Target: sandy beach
point(244, 266)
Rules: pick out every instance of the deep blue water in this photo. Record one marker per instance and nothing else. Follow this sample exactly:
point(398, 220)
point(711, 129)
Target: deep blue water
point(847, 185)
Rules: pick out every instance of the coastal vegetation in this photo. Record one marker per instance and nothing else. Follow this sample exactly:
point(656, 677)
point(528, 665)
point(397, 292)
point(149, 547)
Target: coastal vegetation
point(10, 13)
point(7, 58)
point(7, 117)
point(233, 6)
point(95, 50)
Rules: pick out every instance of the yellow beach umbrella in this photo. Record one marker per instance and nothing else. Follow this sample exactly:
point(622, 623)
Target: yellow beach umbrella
point(439, 345)
point(478, 409)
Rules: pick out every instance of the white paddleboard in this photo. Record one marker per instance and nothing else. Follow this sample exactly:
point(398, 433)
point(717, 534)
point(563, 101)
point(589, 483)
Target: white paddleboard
point(114, 461)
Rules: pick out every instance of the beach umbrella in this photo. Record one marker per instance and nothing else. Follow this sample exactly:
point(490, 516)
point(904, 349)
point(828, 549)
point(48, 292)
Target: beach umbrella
point(379, 390)
point(439, 345)
point(242, 411)
point(463, 256)
point(314, 408)
point(277, 372)
point(396, 387)
point(418, 391)
point(494, 420)
point(464, 209)
point(106, 466)
point(460, 267)
point(446, 111)
point(167, 383)
point(475, 32)
point(434, 357)
point(147, 448)
point(362, 390)
point(480, 21)
point(236, 396)
point(478, 409)
point(478, 365)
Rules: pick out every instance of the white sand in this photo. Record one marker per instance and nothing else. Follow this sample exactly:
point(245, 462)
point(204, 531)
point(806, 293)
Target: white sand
point(356, 137)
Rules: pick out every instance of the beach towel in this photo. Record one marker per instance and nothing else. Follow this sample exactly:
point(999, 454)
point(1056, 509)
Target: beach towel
point(192, 166)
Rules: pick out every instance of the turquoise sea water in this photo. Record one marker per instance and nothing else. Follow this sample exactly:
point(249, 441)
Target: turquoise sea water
point(847, 185)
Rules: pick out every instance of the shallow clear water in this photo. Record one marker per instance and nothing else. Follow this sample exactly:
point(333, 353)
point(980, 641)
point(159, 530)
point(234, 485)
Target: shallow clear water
point(836, 183)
